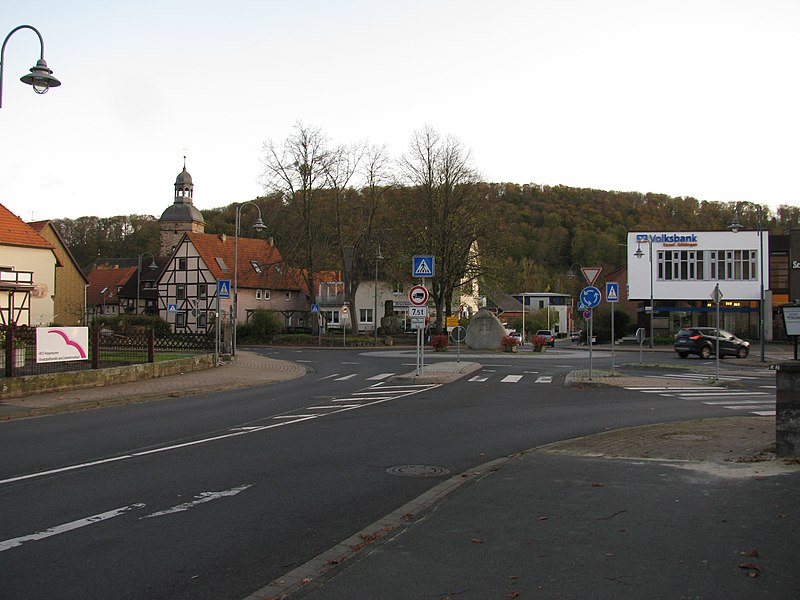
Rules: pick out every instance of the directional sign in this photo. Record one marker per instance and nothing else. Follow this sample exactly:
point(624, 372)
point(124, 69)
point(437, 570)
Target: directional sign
point(224, 288)
point(422, 266)
point(590, 274)
point(590, 297)
point(418, 295)
point(459, 334)
point(612, 291)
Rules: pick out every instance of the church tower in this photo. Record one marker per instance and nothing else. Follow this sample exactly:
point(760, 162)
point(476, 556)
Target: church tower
point(182, 216)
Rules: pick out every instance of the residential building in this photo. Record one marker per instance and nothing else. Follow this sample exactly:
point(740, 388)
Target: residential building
point(103, 293)
point(27, 273)
point(70, 282)
point(187, 287)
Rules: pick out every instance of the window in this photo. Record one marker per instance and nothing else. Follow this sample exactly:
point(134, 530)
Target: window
point(288, 296)
point(258, 294)
point(256, 267)
point(202, 291)
point(181, 264)
point(180, 320)
point(365, 315)
point(202, 320)
point(331, 316)
point(266, 294)
point(180, 291)
point(221, 263)
point(398, 287)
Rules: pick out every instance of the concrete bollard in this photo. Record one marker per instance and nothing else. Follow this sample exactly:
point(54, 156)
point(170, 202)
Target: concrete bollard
point(787, 409)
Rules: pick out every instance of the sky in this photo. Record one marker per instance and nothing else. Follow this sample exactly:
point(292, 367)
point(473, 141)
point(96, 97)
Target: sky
point(694, 98)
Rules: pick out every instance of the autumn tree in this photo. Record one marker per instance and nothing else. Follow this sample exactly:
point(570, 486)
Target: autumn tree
point(444, 214)
point(296, 170)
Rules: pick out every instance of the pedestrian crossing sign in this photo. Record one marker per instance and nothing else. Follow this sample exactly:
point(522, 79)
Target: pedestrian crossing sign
point(224, 288)
point(422, 266)
point(612, 291)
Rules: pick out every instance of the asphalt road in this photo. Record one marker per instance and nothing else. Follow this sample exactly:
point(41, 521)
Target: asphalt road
point(213, 496)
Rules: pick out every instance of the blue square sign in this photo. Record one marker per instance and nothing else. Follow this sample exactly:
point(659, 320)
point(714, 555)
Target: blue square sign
point(224, 288)
point(422, 266)
point(612, 291)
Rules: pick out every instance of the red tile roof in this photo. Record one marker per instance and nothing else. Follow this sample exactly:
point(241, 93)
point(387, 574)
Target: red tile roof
point(274, 273)
point(100, 279)
point(15, 232)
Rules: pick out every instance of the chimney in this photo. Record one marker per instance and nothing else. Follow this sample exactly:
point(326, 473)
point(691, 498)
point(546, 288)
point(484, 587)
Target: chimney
point(270, 241)
point(223, 237)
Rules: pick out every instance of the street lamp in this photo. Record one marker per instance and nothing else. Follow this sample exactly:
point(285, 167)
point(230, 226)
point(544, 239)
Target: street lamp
point(375, 314)
point(735, 227)
point(40, 77)
point(640, 254)
point(258, 226)
point(153, 266)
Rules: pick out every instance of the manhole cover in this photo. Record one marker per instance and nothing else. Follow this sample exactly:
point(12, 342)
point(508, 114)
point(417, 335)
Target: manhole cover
point(687, 437)
point(417, 471)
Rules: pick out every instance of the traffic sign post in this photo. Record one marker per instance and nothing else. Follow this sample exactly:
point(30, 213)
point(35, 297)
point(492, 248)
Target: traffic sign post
point(612, 296)
point(345, 313)
point(459, 334)
point(423, 266)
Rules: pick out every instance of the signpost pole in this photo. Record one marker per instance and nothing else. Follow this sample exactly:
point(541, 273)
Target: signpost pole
point(612, 338)
point(590, 344)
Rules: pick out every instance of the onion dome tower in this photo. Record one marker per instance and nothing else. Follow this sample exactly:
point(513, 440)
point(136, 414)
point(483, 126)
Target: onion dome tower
point(182, 216)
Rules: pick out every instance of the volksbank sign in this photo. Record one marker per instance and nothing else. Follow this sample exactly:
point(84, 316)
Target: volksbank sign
point(668, 238)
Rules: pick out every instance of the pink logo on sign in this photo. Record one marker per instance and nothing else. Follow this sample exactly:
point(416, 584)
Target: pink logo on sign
point(70, 342)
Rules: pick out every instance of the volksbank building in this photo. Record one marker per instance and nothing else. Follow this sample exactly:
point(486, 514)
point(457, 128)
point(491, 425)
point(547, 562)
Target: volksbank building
point(676, 272)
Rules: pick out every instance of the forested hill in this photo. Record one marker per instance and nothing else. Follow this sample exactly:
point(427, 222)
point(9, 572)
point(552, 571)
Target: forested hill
point(544, 229)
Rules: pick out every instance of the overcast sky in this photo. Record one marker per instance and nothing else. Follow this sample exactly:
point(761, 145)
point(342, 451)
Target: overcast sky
point(683, 97)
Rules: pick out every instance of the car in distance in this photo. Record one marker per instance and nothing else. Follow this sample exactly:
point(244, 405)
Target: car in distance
point(702, 341)
point(516, 335)
point(550, 339)
point(575, 336)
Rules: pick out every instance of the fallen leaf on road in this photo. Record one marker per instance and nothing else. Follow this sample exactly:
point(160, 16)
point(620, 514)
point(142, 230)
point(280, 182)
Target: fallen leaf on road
point(748, 553)
point(476, 541)
point(512, 595)
point(598, 485)
point(749, 566)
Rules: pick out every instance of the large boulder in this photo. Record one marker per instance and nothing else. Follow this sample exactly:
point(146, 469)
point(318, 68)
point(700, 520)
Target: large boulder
point(485, 331)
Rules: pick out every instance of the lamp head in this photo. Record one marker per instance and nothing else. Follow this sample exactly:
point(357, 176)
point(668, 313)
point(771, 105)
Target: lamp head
point(734, 225)
point(40, 77)
point(259, 225)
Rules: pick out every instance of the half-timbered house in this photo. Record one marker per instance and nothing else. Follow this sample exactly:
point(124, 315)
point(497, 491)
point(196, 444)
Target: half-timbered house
point(187, 288)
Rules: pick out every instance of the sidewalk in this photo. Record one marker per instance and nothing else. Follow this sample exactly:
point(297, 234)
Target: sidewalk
point(247, 369)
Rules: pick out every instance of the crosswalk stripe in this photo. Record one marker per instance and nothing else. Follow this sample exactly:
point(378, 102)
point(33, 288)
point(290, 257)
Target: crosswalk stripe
point(478, 378)
point(724, 402)
point(764, 413)
point(725, 394)
point(346, 377)
point(544, 379)
point(511, 379)
point(379, 377)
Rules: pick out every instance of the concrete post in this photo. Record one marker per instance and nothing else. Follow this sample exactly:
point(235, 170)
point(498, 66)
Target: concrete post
point(787, 410)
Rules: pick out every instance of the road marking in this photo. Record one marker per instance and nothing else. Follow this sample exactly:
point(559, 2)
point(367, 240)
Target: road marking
point(719, 402)
point(477, 378)
point(327, 377)
point(544, 379)
point(334, 407)
point(291, 419)
point(725, 394)
point(511, 379)
point(58, 529)
point(201, 498)
point(764, 413)
point(379, 376)
point(346, 377)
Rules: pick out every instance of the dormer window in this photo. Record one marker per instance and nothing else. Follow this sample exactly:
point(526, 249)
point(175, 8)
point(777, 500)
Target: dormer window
point(222, 264)
point(255, 265)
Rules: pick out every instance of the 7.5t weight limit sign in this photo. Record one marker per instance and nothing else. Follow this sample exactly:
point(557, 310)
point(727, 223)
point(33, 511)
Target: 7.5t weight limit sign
point(418, 295)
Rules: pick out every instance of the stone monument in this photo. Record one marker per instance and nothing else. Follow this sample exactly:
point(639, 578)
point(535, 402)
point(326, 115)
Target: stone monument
point(484, 331)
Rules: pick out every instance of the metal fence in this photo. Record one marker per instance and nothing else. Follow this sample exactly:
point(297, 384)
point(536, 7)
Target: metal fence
point(106, 349)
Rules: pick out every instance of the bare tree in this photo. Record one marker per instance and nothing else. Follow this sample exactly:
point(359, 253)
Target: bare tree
point(447, 217)
point(298, 169)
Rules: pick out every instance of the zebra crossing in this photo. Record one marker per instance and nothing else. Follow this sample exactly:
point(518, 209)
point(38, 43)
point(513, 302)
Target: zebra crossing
point(482, 377)
point(759, 401)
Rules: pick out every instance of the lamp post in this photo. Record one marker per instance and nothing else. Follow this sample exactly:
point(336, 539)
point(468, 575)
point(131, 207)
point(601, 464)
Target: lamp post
point(153, 266)
point(40, 77)
point(258, 226)
point(375, 314)
point(640, 254)
point(736, 227)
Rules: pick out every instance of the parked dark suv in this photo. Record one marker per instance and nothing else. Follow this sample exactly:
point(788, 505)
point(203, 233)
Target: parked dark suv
point(702, 341)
